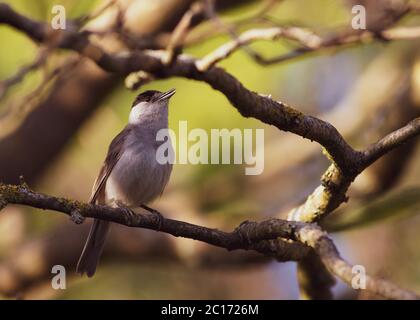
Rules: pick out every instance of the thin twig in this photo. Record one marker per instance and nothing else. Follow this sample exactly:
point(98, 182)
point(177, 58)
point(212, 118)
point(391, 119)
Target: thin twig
point(309, 39)
point(181, 31)
point(12, 117)
point(6, 84)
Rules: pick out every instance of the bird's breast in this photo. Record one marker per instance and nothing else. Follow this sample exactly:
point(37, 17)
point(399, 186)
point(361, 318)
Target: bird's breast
point(137, 177)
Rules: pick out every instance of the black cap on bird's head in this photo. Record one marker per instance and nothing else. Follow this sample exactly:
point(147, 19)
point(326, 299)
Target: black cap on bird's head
point(153, 96)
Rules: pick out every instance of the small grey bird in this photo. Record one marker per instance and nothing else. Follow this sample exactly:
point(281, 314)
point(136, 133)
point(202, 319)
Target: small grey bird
point(131, 176)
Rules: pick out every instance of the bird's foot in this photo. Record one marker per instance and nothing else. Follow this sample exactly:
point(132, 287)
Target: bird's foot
point(156, 214)
point(129, 213)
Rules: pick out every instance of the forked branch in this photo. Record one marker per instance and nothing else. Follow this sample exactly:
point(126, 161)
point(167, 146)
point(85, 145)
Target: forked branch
point(247, 236)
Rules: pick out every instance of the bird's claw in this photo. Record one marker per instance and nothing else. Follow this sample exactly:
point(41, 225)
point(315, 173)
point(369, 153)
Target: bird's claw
point(156, 214)
point(128, 212)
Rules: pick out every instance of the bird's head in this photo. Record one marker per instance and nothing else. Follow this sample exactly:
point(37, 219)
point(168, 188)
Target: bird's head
point(149, 103)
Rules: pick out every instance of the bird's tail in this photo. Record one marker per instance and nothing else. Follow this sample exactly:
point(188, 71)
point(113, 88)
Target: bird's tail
point(93, 248)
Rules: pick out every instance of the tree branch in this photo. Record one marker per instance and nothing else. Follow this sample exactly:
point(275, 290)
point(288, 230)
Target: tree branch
point(248, 235)
point(391, 141)
point(303, 36)
point(332, 191)
point(314, 237)
point(181, 30)
point(309, 42)
point(21, 194)
point(248, 103)
point(272, 237)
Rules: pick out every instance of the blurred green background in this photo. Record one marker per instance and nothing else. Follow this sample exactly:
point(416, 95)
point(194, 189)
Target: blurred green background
point(348, 87)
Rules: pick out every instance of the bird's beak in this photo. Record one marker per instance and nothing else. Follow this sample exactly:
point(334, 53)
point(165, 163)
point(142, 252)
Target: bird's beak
point(166, 95)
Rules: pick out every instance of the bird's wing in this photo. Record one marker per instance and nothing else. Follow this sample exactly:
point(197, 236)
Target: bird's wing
point(114, 154)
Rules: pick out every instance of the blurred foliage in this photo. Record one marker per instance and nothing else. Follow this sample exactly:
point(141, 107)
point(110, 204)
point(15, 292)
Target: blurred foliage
point(401, 204)
point(315, 84)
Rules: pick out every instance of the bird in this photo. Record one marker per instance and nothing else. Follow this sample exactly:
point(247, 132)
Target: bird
point(131, 175)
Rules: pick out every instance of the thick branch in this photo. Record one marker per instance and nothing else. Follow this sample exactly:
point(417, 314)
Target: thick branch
point(238, 239)
point(247, 235)
point(332, 192)
point(20, 194)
